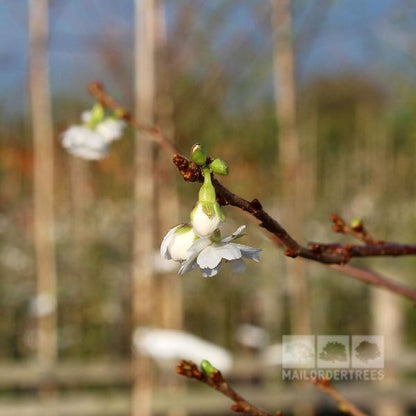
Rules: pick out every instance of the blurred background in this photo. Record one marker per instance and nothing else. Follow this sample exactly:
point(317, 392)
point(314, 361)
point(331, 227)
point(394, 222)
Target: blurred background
point(311, 103)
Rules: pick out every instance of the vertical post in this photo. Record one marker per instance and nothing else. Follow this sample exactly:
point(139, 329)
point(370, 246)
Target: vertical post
point(290, 173)
point(387, 317)
point(43, 186)
point(144, 191)
point(290, 167)
point(170, 285)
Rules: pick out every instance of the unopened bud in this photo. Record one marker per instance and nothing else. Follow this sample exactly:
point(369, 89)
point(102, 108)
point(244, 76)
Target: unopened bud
point(207, 368)
point(198, 154)
point(219, 167)
point(97, 114)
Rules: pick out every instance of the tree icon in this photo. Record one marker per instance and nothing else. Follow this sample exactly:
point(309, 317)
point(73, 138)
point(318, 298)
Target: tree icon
point(333, 351)
point(298, 352)
point(367, 350)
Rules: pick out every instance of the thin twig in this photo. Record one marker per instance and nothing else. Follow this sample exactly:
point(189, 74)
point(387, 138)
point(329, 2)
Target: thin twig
point(344, 404)
point(217, 382)
point(356, 230)
point(96, 89)
point(375, 279)
point(336, 255)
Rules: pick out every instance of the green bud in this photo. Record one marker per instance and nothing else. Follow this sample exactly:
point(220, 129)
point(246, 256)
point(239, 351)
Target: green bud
point(207, 190)
point(119, 113)
point(198, 154)
point(219, 167)
point(207, 368)
point(356, 222)
point(97, 114)
point(184, 228)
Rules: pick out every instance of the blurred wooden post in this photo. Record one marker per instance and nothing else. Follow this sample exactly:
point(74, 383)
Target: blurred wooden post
point(167, 193)
point(387, 319)
point(170, 285)
point(290, 171)
point(144, 228)
point(43, 186)
point(290, 167)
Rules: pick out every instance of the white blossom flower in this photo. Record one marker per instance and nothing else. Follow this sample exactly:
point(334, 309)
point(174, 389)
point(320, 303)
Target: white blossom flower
point(206, 217)
point(209, 254)
point(109, 128)
point(177, 242)
point(83, 142)
point(90, 140)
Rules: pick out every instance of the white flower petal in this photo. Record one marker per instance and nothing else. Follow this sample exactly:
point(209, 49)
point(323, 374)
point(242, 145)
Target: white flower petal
point(177, 242)
point(110, 129)
point(86, 116)
point(238, 266)
point(188, 265)
point(199, 245)
point(166, 241)
point(211, 272)
point(209, 257)
point(82, 141)
point(204, 225)
point(228, 251)
point(249, 252)
point(180, 244)
point(236, 234)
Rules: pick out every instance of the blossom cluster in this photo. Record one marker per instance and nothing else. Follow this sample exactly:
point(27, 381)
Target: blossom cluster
point(199, 244)
point(91, 139)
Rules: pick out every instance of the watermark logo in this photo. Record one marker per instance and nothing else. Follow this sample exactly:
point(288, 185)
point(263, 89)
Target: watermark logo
point(335, 357)
point(367, 351)
point(333, 351)
point(298, 351)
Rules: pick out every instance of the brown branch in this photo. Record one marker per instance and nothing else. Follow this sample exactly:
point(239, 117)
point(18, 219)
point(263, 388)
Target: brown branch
point(375, 279)
point(217, 382)
point(96, 89)
point(336, 255)
point(344, 404)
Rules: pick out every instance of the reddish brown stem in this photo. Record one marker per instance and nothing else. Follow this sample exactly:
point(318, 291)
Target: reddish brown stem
point(356, 230)
point(344, 404)
point(217, 382)
point(331, 254)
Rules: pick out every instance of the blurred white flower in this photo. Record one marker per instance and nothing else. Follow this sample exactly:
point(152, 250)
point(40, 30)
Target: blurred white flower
point(167, 344)
point(206, 217)
point(83, 142)
point(209, 254)
point(109, 128)
point(177, 242)
point(91, 139)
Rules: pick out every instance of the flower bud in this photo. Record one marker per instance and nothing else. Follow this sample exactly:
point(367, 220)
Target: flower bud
point(219, 167)
point(206, 217)
point(177, 241)
point(356, 223)
point(208, 369)
point(198, 154)
point(97, 114)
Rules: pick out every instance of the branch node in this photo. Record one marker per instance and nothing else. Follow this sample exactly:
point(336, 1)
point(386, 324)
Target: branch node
point(255, 203)
point(291, 253)
point(190, 171)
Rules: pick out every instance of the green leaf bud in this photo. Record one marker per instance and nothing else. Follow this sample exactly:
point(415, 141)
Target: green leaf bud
point(356, 223)
point(219, 167)
point(198, 154)
point(97, 114)
point(208, 369)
